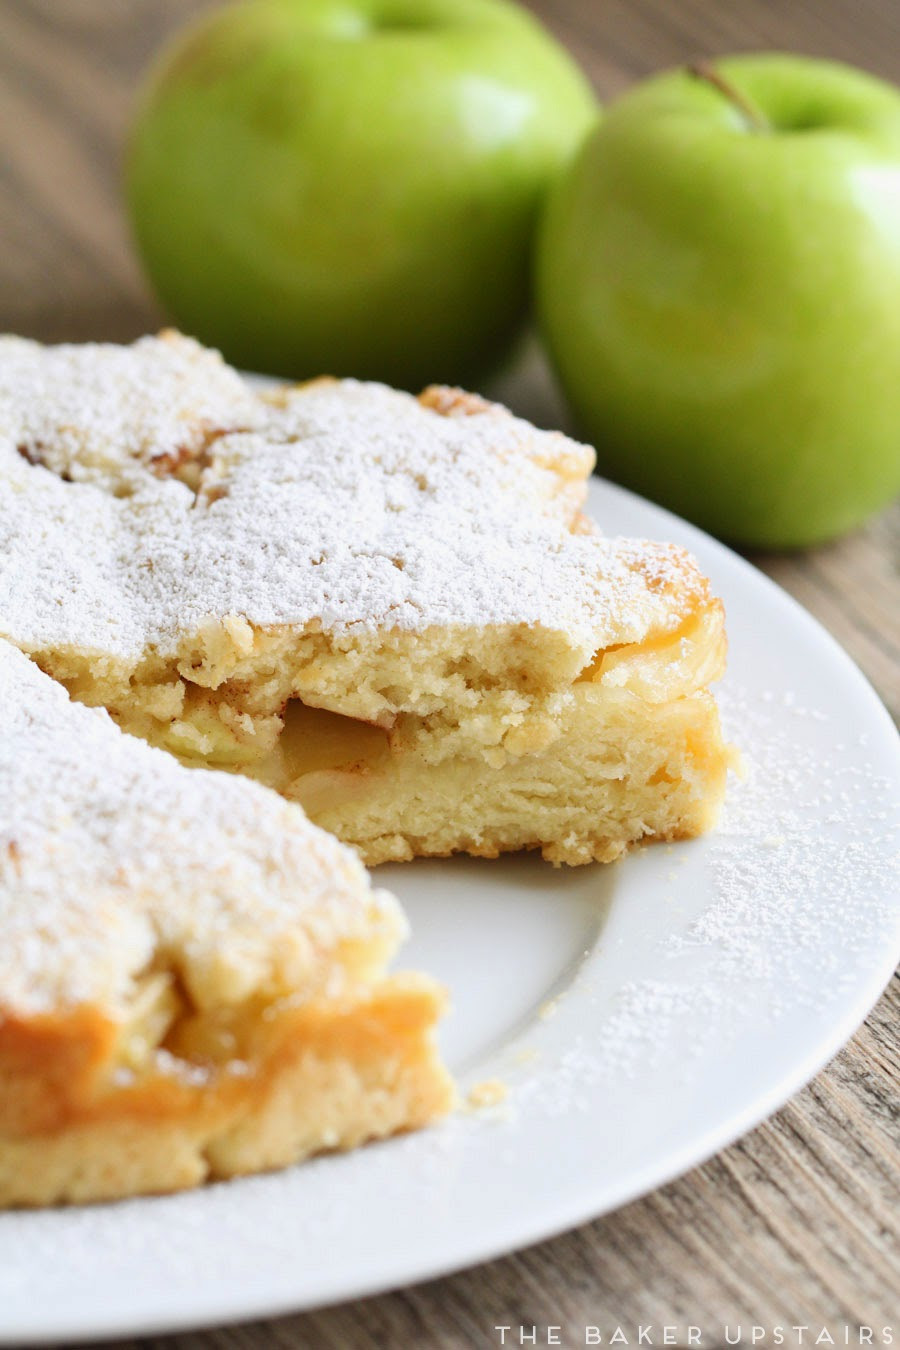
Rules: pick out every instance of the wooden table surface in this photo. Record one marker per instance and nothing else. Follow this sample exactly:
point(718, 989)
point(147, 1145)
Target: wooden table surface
point(797, 1223)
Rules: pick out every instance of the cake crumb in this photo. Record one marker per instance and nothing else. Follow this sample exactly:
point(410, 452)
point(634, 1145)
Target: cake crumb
point(489, 1092)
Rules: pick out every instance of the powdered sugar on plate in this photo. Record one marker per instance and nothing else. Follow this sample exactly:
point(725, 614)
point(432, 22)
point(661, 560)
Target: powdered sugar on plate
point(798, 843)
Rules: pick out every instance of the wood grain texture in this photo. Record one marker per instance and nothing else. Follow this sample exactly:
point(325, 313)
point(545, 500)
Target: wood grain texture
point(797, 1222)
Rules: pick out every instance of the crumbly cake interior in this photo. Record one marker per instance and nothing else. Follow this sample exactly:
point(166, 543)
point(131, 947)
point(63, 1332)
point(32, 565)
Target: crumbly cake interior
point(192, 975)
point(389, 609)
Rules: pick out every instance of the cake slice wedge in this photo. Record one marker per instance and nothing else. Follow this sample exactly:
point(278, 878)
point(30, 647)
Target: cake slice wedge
point(192, 976)
point(388, 608)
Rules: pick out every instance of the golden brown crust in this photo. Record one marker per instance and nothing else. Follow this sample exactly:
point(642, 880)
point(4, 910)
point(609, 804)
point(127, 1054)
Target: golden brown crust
point(327, 1074)
point(451, 401)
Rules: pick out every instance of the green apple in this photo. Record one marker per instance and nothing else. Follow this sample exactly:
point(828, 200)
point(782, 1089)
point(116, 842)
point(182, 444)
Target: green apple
point(352, 186)
point(718, 281)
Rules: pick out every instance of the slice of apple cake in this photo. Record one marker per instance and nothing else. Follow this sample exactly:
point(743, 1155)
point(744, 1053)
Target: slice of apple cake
point(191, 974)
point(388, 608)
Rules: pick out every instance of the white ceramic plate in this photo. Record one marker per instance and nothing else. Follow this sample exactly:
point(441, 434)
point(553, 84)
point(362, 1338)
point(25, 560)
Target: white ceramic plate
point(641, 1016)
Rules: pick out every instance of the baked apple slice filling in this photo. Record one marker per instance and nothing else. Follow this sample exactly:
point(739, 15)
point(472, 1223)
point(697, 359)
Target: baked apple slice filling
point(630, 748)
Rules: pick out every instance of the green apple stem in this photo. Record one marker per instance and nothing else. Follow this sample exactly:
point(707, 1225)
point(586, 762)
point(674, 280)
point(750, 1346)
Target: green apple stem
point(755, 119)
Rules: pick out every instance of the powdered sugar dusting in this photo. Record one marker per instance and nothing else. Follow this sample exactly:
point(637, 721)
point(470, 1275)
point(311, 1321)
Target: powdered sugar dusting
point(113, 855)
point(144, 490)
point(798, 838)
point(102, 414)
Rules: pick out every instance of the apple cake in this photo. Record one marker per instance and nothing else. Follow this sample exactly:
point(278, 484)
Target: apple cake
point(191, 974)
point(388, 608)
